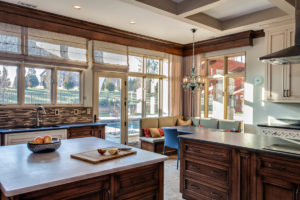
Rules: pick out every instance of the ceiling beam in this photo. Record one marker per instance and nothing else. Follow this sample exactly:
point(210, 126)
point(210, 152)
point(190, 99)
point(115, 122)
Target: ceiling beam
point(192, 7)
point(206, 20)
point(285, 5)
point(268, 15)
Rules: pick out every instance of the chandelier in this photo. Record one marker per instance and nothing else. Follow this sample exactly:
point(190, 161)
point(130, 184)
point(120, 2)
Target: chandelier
point(193, 81)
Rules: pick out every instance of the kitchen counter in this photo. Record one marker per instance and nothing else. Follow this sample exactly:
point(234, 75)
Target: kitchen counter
point(246, 141)
point(288, 126)
point(223, 165)
point(46, 128)
point(24, 172)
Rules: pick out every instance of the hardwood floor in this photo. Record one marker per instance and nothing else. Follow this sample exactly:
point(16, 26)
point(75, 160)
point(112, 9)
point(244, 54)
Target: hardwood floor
point(171, 190)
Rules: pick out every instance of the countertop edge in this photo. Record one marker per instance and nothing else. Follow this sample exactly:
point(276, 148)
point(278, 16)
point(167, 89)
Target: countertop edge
point(56, 127)
point(16, 192)
point(294, 156)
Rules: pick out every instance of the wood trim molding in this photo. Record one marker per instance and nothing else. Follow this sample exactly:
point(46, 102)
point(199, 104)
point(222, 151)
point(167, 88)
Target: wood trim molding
point(225, 42)
point(27, 17)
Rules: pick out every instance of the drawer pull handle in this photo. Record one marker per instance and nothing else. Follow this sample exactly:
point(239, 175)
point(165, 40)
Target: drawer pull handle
point(213, 194)
point(213, 172)
point(277, 168)
point(195, 187)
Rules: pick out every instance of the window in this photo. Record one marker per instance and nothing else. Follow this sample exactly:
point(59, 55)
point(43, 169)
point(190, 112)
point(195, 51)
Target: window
point(236, 64)
point(37, 86)
point(110, 53)
point(10, 38)
point(8, 84)
point(215, 99)
point(229, 86)
point(216, 66)
point(152, 92)
point(56, 46)
point(236, 98)
point(152, 66)
point(135, 64)
point(68, 87)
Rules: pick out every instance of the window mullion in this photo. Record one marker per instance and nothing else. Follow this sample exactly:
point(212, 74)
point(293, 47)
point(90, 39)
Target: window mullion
point(54, 86)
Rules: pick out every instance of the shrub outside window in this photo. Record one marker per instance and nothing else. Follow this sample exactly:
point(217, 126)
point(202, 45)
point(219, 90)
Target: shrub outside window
point(68, 87)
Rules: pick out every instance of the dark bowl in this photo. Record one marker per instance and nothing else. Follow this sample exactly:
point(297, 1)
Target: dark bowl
point(44, 148)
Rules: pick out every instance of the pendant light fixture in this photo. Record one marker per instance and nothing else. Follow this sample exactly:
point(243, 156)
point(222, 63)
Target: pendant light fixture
point(192, 82)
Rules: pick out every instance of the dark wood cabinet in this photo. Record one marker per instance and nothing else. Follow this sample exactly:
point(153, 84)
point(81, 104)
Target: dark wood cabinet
point(211, 171)
point(143, 183)
point(87, 131)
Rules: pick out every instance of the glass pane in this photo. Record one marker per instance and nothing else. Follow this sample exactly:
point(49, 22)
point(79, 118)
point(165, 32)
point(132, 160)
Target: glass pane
point(235, 98)
point(135, 95)
point(165, 106)
point(135, 64)
point(11, 44)
point(37, 86)
point(8, 84)
point(110, 107)
point(166, 67)
point(59, 51)
point(152, 91)
point(215, 66)
point(110, 58)
point(68, 87)
point(215, 99)
point(152, 66)
point(236, 64)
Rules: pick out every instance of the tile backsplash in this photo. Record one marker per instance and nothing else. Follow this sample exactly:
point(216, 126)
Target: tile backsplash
point(12, 117)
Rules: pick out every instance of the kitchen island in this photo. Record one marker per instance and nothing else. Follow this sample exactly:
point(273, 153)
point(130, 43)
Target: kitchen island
point(220, 165)
point(56, 175)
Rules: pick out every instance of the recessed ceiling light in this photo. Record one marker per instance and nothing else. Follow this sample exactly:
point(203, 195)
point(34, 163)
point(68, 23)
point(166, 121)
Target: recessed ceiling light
point(132, 22)
point(77, 7)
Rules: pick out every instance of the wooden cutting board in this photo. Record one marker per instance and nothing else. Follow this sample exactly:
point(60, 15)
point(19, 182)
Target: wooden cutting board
point(94, 157)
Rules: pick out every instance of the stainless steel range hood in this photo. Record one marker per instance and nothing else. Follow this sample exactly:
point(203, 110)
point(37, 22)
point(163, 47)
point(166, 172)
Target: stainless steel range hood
point(289, 55)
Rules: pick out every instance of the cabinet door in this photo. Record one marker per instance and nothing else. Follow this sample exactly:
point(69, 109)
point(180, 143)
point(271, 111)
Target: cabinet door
point(80, 132)
point(293, 75)
point(275, 79)
point(275, 189)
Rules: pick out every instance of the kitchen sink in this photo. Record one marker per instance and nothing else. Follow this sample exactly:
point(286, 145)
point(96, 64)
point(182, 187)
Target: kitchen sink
point(293, 149)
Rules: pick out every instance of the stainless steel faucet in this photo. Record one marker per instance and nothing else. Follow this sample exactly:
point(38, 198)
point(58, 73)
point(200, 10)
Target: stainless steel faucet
point(38, 120)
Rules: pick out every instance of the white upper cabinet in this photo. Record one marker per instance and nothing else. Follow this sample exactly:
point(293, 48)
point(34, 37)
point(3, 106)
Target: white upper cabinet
point(282, 82)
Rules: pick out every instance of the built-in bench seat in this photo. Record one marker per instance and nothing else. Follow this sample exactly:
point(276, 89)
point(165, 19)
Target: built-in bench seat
point(157, 144)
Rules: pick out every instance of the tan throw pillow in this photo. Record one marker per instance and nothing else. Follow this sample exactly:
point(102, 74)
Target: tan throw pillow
point(154, 132)
point(181, 122)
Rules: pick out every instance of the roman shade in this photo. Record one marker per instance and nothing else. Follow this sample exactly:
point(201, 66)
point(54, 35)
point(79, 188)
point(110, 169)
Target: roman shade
point(110, 54)
point(146, 52)
point(56, 45)
point(10, 38)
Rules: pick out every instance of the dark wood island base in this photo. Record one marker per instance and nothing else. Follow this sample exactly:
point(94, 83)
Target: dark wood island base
point(218, 171)
point(141, 183)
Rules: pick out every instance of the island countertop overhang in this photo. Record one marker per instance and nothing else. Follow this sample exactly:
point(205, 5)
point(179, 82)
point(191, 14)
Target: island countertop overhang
point(246, 141)
point(23, 172)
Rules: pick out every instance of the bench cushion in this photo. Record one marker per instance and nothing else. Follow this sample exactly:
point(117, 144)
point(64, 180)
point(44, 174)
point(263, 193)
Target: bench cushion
point(230, 124)
point(209, 123)
point(152, 140)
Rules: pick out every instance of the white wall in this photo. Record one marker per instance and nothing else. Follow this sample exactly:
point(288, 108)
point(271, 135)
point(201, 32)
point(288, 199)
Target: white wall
point(256, 110)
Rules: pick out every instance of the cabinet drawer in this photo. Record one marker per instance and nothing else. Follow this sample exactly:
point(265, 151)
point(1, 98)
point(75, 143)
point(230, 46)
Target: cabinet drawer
point(279, 168)
point(207, 151)
point(80, 132)
point(197, 190)
point(23, 138)
point(205, 171)
point(136, 181)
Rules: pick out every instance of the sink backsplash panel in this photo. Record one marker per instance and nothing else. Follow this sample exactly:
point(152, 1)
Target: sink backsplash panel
point(13, 117)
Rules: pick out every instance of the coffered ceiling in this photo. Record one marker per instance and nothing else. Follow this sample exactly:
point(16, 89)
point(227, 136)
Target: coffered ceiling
point(172, 19)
